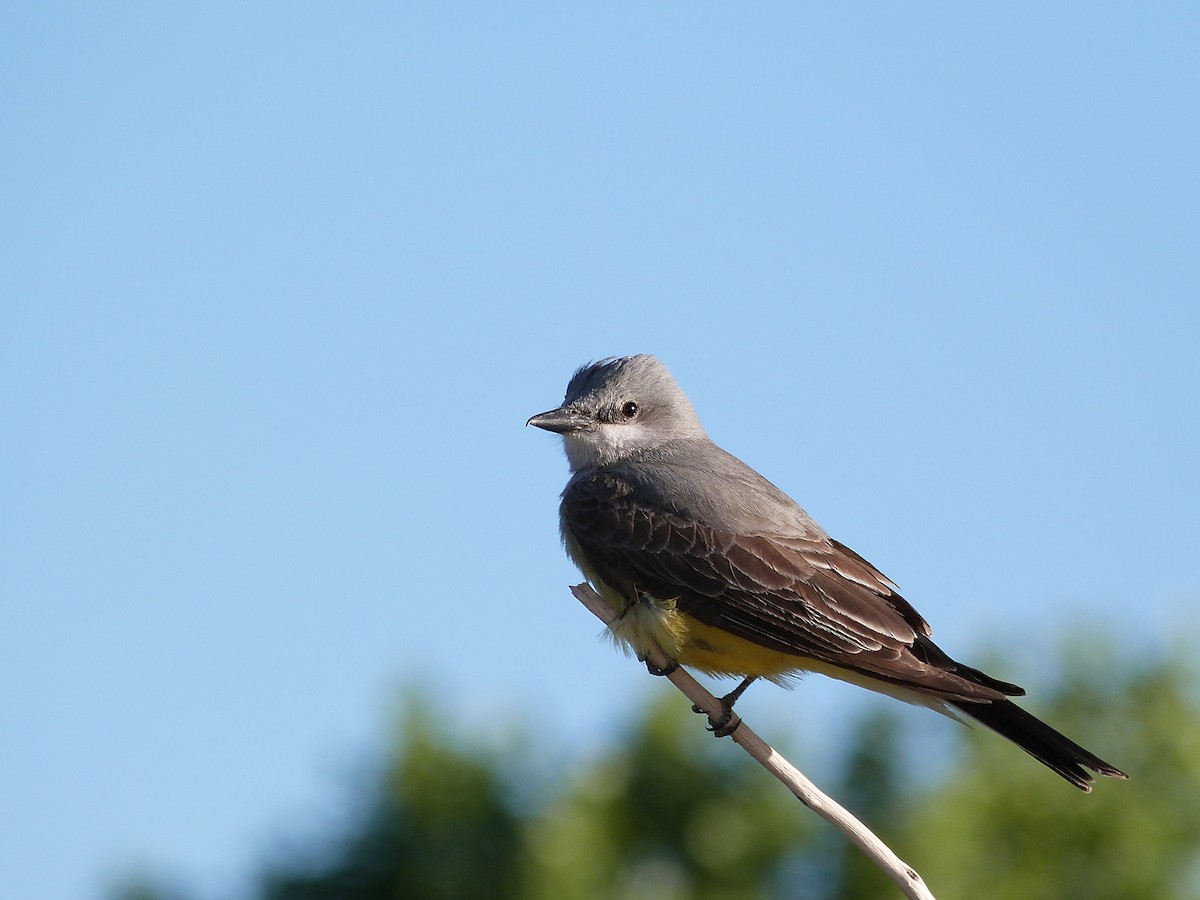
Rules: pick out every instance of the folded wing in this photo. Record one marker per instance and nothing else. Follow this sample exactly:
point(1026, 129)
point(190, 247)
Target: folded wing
point(801, 594)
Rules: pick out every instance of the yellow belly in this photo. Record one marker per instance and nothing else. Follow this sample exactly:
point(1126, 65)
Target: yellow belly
point(718, 652)
point(658, 624)
point(652, 623)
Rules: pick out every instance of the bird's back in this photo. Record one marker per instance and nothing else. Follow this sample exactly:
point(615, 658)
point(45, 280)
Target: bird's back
point(699, 481)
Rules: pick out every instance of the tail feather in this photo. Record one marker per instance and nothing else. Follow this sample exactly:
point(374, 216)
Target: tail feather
point(1040, 741)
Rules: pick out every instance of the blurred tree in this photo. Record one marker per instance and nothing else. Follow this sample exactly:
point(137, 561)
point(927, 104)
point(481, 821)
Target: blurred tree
point(144, 886)
point(871, 788)
point(440, 829)
point(999, 827)
point(669, 815)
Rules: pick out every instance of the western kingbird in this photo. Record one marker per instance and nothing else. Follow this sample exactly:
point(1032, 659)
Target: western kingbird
point(723, 572)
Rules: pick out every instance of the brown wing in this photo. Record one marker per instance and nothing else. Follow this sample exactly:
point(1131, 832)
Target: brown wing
point(799, 594)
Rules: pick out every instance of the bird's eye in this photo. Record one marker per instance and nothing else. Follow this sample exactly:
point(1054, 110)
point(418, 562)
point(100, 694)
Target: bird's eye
point(629, 410)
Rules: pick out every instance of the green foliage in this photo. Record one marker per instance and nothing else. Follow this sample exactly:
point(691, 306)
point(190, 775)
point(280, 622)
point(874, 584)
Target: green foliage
point(671, 814)
point(144, 886)
point(871, 788)
point(441, 828)
point(998, 827)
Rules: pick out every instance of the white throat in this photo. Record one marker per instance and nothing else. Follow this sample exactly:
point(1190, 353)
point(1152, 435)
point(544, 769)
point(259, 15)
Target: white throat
point(608, 444)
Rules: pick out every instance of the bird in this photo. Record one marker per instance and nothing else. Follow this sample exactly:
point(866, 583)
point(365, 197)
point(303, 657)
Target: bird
point(714, 566)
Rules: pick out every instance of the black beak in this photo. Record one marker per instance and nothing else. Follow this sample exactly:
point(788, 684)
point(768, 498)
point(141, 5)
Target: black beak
point(561, 421)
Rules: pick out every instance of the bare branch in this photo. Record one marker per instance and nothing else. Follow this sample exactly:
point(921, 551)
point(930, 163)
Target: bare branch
point(806, 792)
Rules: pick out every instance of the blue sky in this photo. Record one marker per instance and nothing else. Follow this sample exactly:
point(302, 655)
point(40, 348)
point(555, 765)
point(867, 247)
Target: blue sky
point(281, 284)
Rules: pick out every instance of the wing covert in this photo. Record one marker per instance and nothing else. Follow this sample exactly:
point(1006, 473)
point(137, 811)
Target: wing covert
point(794, 593)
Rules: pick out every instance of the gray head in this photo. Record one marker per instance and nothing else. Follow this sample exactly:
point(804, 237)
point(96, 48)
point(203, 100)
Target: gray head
point(618, 408)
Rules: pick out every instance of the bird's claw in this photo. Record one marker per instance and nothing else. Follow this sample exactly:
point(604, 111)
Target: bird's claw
point(660, 671)
point(725, 724)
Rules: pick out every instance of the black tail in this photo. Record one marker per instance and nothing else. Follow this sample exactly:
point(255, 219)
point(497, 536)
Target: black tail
point(1041, 741)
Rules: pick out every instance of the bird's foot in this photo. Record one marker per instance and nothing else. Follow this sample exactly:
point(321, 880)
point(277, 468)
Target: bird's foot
point(726, 723)
point(660, 671)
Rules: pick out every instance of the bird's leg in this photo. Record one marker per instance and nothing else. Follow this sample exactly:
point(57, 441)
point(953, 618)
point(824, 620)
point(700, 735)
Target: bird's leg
point(732, 697)
point(728, 723)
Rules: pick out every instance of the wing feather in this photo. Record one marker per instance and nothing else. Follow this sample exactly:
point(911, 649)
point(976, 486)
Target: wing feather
point(796, 593)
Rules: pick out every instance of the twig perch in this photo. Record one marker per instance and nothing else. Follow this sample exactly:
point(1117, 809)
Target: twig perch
point(806, 792)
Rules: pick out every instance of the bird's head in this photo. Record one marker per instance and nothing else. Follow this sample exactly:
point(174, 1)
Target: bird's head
point(619, 408)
